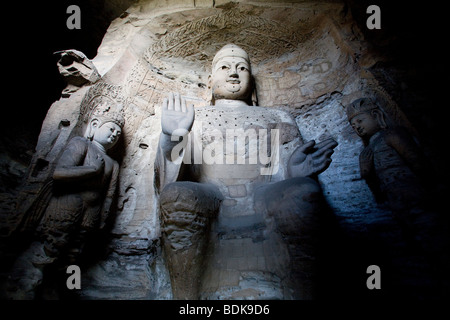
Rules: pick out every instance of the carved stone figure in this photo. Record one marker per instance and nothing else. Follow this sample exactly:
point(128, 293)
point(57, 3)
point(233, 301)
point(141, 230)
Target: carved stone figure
point(239, 197)
point(56, 131)
point(77, 70)
point(391, 163)
point(398, 173)
point(84, 184)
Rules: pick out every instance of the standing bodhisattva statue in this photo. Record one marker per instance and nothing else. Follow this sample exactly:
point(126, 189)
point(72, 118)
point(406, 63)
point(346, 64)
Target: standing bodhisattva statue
point(84, 184)
point(236, 185)
point(398, 173)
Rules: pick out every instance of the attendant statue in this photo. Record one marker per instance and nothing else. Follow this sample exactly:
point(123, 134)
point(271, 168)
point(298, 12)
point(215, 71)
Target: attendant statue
point(398, 173)
point(234, 180)
point(391, 163)
point(84, 185)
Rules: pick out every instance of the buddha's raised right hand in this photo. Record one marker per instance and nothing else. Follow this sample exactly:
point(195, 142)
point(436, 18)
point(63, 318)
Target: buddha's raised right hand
point(177, 117)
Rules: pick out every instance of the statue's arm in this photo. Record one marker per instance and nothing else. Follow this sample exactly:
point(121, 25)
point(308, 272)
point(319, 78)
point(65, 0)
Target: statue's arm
point(310, 158)
point(367, 171)
point(408, 149)
point(69, 167)
point(412, 154)
point(166, 146)
point(366, 166)
point(110, 194)
point(168, 160)
point(177, 119)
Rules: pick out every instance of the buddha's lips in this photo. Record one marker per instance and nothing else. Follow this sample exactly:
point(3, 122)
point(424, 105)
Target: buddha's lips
point(234, 81)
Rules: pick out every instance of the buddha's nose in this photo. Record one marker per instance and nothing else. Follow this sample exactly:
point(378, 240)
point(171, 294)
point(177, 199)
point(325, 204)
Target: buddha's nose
point(233, 72)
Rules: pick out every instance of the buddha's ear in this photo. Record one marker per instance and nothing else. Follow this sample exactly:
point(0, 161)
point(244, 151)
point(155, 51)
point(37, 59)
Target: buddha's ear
point(94, 124)
point(211, 97)
point(254, 94)
point(379, 116)
point(209, 81)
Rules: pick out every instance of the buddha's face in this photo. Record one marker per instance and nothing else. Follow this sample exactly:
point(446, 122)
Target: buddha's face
point(107, 134)
point(365, 125)
point(231, 79)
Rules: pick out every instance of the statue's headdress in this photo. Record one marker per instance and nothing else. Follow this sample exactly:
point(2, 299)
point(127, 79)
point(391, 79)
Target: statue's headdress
point(362, 105)
point(230, 50)
point(108, 111)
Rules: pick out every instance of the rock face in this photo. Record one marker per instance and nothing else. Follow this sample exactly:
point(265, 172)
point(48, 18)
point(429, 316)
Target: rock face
point(308, 58)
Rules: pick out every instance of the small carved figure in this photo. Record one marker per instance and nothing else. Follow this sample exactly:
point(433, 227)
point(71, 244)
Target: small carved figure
point(210, 180)
point(85, 179)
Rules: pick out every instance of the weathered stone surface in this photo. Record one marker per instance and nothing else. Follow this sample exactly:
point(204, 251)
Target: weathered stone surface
point(77, 70)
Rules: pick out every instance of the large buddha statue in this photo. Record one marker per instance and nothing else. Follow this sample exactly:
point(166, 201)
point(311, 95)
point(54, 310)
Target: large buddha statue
point(239, 197)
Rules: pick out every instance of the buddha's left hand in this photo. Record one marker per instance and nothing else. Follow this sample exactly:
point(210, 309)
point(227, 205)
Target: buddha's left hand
point(311, 159)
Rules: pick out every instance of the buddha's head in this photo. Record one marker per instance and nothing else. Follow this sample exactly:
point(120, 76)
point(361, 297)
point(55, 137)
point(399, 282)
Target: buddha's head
point(231, 77)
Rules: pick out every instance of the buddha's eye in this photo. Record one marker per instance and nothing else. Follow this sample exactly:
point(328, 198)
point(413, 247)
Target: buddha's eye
point(224, 67)
point(242, 68)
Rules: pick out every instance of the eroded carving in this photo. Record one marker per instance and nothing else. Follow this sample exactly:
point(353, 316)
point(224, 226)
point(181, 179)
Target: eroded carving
point(77, 70)
point(200, 39)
